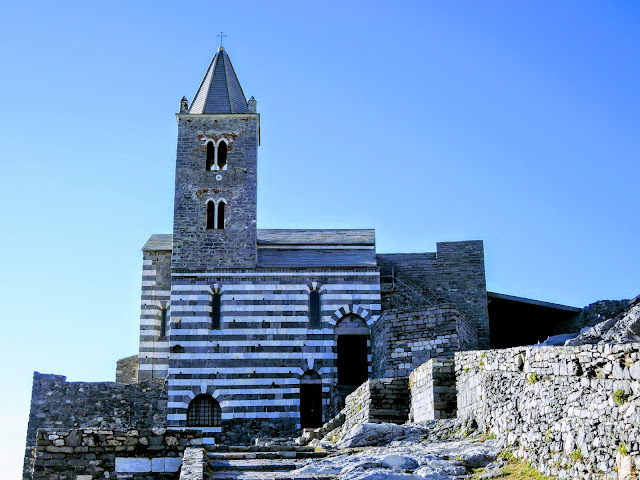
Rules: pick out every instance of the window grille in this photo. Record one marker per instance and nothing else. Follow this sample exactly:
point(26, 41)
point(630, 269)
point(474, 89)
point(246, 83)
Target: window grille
point(203, 411)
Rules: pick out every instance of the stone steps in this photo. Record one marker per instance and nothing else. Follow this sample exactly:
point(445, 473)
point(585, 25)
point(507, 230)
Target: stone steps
point(250, 465)
point(241, 475)
point(287, 454)
point(261, 462)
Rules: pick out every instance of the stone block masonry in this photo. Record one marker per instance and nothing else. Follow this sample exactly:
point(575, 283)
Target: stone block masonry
point(402, 341)
point(454, 273)
point(127, 370)
point(154, 454)
point(574, 412)
point(381, 400)
point(433, 390)
point(56, 403)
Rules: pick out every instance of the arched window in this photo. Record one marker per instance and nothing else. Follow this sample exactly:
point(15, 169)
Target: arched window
point(203, 411)
point(211, 215)
point(215, 310)
point(211, 155)
point(220, 219)
point(222, 155)
point(314, 309)
point(163, 322)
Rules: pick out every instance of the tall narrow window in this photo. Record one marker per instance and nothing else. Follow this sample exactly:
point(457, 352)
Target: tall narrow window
point(211, 215)
point(215, 311)
point(314, 309)
point(220, 219)
point(222, 154)
point(163, 322)
point(203, 411)
point(211, 154)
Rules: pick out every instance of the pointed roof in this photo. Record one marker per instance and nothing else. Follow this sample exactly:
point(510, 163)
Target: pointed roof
point(220, 91)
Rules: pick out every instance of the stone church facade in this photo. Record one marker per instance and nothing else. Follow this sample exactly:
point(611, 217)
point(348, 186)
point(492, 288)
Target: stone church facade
point(271, 327)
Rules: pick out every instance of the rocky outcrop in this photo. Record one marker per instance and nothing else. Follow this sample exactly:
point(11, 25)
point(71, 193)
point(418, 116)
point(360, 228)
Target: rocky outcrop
point(622, 328)
point(409, 452)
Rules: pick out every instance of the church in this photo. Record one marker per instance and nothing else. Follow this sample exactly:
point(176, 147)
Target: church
point(248, 332)
point(251, 326)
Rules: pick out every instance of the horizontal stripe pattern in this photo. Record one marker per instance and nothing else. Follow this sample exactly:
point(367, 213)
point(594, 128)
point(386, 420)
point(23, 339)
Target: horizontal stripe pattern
point(252, 365)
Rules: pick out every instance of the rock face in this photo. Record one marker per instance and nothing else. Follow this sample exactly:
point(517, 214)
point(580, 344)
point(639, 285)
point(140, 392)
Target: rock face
point(622, 328)
point(403, 453)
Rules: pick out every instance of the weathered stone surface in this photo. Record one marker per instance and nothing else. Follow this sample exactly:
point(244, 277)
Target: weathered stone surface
point(568, 410)
point(624, 327)
point(133, 465)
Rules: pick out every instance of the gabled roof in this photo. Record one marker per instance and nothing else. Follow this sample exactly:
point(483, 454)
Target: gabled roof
point(220, 91)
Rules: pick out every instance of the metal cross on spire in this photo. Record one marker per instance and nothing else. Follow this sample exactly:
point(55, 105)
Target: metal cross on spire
point(221, 35)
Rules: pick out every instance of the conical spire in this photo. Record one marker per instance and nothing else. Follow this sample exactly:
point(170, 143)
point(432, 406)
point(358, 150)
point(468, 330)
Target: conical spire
point(220, 91)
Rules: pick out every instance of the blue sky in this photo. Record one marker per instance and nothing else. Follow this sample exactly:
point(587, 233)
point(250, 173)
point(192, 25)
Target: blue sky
point(511, 122)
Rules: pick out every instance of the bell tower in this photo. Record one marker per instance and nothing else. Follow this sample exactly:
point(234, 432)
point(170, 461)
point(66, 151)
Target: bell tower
point(214, 219)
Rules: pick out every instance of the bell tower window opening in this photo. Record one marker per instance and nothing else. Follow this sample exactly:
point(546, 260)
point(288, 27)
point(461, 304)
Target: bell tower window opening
point(211, 215)
point(216, 310)
point(314, 309)
point(221, 162)
point(211, 155)
point(220, 216)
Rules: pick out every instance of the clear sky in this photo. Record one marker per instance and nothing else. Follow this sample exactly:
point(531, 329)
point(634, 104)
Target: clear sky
point(516, 123)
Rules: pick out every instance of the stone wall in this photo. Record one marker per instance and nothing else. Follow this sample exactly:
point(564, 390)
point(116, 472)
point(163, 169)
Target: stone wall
point(58, 404)
point(377, 401)
point(127, 370)
point(402, 341)
point(96, 453)
point(454, 273)
point(433, 390)
point(155, 295)
point(574, 412)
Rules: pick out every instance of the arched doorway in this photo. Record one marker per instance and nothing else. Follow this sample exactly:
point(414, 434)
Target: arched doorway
point(310, 400)
point(351, 333)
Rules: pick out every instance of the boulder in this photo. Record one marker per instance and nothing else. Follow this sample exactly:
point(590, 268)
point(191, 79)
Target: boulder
point(369, 434)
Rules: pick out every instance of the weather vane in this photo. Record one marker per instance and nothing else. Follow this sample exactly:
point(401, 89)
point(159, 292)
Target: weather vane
point(221, 35)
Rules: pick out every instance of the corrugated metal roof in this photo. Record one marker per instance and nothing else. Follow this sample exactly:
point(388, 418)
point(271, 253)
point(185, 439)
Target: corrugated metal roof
point(317, 237)
point(220, 90)
point(158, 242)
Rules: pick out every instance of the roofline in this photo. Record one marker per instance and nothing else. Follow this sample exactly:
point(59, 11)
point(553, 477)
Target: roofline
point(211, 115)
point(539, 303)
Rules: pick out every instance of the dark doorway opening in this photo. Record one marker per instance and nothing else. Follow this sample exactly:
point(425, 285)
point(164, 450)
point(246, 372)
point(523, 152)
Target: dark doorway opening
point(352, 360)
point(310, 405)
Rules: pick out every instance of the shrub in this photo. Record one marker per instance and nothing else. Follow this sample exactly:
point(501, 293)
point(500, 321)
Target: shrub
point(622, 448)
point(533, 378)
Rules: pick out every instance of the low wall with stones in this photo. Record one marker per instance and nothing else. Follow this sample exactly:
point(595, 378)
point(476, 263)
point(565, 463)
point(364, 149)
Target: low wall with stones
point(377, 401)
point(433, 390)
point(95, 453)
point(58, 404)
point(127, 370)
point(402, 341)
point(574, 412)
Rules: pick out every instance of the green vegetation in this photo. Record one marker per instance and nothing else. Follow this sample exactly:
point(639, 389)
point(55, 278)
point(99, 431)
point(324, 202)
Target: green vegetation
point(577, 456)
point(619, 397)
point(514, 469)
point(622, 448)
point(533, 378)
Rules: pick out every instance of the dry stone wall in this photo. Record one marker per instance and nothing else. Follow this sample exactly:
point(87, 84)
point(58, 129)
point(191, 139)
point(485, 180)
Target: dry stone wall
point(381, 400)
point(58, 404)
point(154, 454)
point(433, 390)
point(574, 412)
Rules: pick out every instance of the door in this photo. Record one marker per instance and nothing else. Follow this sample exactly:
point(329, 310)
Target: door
point(353, 367)
point(311, 405)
